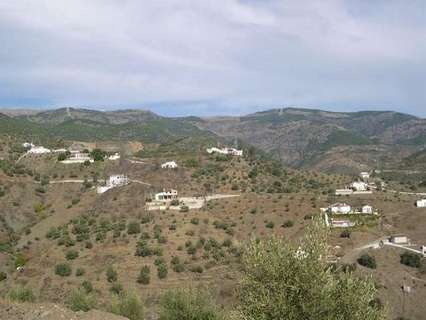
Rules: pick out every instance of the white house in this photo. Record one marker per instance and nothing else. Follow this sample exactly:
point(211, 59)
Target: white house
point(39, 150)
point(230, 151)
point(399, 239)
point(166, 195)
point(359, 186)
point(421, 203)
point(367, 209)
point(27, 145)
point(115, 156)
point(78, 157)
point(364, 175)
point(344, 192)
point(342, 223)
point(117, 180)
point(340, 208)
point(169, 165)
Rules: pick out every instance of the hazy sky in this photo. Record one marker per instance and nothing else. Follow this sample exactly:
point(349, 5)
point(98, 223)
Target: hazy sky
point(214, 57)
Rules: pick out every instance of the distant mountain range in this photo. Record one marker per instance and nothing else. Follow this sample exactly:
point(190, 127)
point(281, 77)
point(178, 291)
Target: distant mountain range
point(329, 141)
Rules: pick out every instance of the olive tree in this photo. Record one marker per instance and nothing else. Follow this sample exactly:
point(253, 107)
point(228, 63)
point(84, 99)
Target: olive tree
point(293, 282)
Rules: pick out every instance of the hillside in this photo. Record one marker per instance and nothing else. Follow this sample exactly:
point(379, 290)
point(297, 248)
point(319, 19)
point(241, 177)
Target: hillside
point(302, 137)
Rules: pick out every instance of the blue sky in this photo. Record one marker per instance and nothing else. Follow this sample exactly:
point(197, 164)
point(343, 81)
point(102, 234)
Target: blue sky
point(210, 57)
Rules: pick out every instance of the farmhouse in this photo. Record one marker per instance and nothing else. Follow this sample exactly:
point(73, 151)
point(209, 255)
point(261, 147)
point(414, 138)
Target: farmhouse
point(78, 157)
point(364, 175)
point(344, 192)
point(227, 151)
point(342, 223)
point(367, 209)
point(27, 145)
point(359, 186)
point(166, 195)
point(340, 208)
point(399, 239)
point(115, 156)
point(113, 181)
point(39, 150)
point(169, 165)
point(421, 203)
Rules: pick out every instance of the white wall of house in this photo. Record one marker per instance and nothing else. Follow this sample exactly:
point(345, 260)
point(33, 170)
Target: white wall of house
point(421, 203)
point(169, 165)
point(367, 209)
point(340, 208)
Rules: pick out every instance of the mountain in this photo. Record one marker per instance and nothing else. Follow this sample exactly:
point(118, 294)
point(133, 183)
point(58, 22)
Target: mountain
point(304, 137)
point(89, 125)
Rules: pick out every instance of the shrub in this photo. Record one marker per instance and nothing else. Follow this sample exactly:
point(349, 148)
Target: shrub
point(270, 225)
point(116, 288)
point(133, 227)
point(127, 305)
point(188, 304)
point(80, 300)
point(345, 234)
point(63, 269)
point(410, 259)
point(71, 254)
point(195, 221)
point(288, 224)
point(184, 209)
point(79, 272)
point(111, 274)
point(367, 261)
point(162, 271)
point(179, 267)
point(87, 286)
point(21, 294)
point(196, 269)
point(3, 276)
point(144, 276)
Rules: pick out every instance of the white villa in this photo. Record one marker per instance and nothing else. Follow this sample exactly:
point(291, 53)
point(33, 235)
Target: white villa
point(364, 175)
point(227, 151)
point(114, 181)
point(367, 209)
point(359, 186)
point(39, 150)
point(340, 208)
point(169, 165)
point(421, 203)
point(115, 156)
point(166, 195)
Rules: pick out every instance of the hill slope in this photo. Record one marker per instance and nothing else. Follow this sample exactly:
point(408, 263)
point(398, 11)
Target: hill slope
point(300, 137)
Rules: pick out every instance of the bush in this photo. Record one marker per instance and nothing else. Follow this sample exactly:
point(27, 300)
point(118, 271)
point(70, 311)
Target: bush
point(21, 294)
point(270, 225)
point(71, 254)
point(196, 269)
point(80, 300)
point(345, 234)
point(188, 304)
point(162, 271)
point(111, 274)
point(133, 227)
point(410, 259)
point(80, 272)
point(116, 288)
point(63, 270)
point(367, 261)
point(288, 224)
point(144, 276)
point(87, 286)
point(127, 305)
point(3, 276)
point(195, 221)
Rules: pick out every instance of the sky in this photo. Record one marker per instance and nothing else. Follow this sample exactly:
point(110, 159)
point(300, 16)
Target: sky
point(209, 57)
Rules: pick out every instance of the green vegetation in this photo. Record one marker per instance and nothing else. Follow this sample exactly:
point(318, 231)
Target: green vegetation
point(367, 261)
point(188, 304)
point(21, 294)
point(63, 269)
point(294, 280)
point(144, 276)
point(111, 274)
point(411, 259)
point(81, 300)
point(127, 305)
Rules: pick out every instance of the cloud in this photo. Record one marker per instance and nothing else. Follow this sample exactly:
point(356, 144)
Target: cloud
point(206, 57)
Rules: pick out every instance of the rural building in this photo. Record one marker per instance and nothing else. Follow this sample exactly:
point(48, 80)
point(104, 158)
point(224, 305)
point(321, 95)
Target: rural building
point(169, 165)
point(421, 203)
point(113, 181)
point(423, 250)
point(340, 208)
point(342, 223)
point(398, 239)
point(166, 195)
point(367, 209)
point(39, 150)
point(115, 156)
point(344, 192)
point(227, 151)
point(27, 145)
point(78, 157)
point(365, 175)
point(359, 186)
